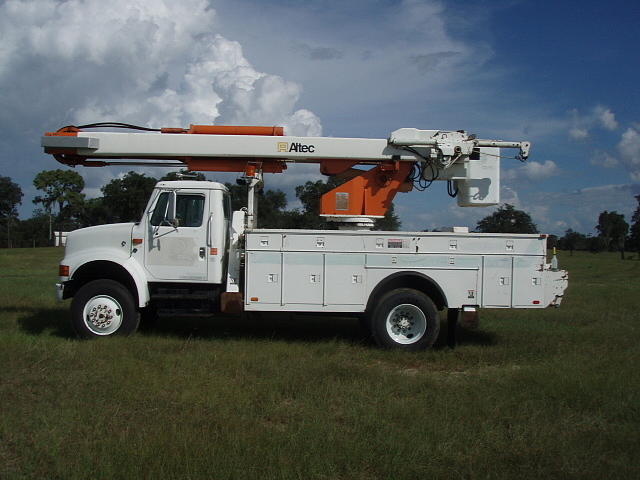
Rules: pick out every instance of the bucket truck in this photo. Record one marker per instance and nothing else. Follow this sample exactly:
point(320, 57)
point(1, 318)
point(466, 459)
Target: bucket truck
point(190, 254)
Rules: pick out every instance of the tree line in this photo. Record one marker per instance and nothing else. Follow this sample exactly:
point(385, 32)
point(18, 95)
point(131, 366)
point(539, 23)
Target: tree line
point(62, 206)
point(614, 233)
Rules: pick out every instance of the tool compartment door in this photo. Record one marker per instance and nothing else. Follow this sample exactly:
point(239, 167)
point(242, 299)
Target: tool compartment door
point(303, 278)
point(528, 289)
point(344, 278)
point(264, 277)
point(496, 280)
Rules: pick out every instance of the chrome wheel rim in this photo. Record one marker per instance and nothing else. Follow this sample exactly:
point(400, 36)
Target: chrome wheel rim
point(102, 315)
point(406, 324)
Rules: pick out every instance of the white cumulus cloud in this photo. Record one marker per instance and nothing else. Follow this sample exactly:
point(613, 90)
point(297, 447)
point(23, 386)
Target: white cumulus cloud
point(629, 148)
point(599, 116)
point(532, 170)
point(539, 171)
point(606, 117)
point(159, 63)
point(603, 159)
point(578, 133)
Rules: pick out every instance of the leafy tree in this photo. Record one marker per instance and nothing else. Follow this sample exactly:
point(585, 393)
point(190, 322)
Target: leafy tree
point(71, 215)
point(238, 194)
point(572, 241)
point(613, 230)
point(96, 212)
point(634, 234)
point(10, 198)
point(596, 244)
point(33, 232)
point(127, 197)
point(271, 206)
point(309, 195)
point(390, 222)
point(271, 209)
point(61, 188)
point(507, 220)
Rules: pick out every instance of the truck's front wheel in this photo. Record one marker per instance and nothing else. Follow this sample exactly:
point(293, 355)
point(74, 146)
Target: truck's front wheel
point(405, 319)
point(103, 308)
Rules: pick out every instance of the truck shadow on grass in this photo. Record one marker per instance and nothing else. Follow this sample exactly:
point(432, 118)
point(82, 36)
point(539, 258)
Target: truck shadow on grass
point(291, 328)
point(37, 321)
point(278, 327)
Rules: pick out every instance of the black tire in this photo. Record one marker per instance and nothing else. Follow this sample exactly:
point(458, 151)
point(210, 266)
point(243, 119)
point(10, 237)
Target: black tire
point(103, 308)
point(405, 319)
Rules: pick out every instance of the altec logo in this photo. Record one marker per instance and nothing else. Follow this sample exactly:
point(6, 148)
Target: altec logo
point(296, 147)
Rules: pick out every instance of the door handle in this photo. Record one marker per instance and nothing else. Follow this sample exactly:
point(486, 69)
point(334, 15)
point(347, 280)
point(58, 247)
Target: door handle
point(202, 252)
point(209, 230)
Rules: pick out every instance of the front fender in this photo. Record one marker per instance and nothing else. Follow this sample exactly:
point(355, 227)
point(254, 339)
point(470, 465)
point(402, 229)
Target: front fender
point(115, 256)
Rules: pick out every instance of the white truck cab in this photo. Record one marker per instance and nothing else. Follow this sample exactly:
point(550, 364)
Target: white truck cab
point(183, 234)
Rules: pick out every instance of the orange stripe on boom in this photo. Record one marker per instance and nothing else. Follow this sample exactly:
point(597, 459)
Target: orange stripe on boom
point(234, 130)
point(64, 132)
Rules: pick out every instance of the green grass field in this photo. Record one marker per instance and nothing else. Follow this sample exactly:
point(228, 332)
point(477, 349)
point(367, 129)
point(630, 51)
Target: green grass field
point(531, 394)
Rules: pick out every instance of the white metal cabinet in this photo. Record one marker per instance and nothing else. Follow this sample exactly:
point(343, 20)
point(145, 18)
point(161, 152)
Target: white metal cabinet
point(302, 277)
point(264, 278)
point(528, 287)
point(496, 281)
point(345, 278)
point(322, 270)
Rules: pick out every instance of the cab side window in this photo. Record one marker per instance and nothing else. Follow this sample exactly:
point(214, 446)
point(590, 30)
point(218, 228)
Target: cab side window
point(160, 209)
point(189, 210)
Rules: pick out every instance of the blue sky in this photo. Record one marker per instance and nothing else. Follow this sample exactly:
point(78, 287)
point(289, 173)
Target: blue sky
point(563, 75)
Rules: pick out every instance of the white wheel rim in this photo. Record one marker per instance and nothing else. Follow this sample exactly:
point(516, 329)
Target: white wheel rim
point(406, 324)
point(102, 315)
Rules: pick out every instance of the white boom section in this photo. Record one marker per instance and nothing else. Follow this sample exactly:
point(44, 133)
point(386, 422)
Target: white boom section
point(171, 146)
point(450, 145)
point(445, 155)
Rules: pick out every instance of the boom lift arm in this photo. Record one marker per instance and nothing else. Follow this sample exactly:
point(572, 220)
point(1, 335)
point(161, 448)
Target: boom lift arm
point(409, 156)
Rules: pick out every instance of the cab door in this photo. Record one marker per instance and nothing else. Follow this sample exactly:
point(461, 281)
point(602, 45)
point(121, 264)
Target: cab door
point(178, 252)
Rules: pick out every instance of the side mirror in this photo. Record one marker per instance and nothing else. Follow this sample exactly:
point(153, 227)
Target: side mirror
point(170, 212)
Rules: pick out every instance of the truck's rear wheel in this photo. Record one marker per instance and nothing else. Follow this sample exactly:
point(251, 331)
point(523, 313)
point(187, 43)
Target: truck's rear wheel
point(405, 319)
point(103, 308)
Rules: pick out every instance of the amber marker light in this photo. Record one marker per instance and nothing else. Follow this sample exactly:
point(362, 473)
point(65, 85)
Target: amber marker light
point(63, 270)
point(137, 241)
